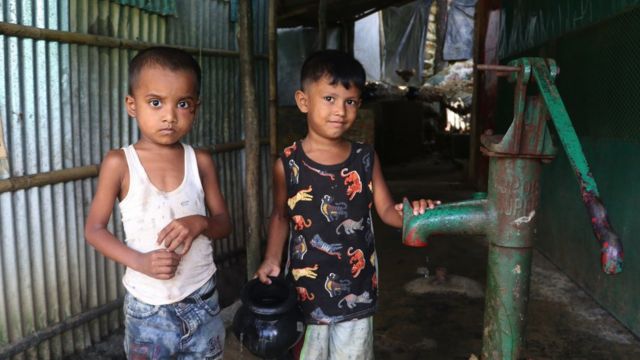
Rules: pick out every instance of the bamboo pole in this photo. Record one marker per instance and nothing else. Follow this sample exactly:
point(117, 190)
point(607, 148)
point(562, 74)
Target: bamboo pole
point(273, 76)
point(48, 178)
point(100, 40)
point(252, 148)
point(85, 172)
point(322, 25)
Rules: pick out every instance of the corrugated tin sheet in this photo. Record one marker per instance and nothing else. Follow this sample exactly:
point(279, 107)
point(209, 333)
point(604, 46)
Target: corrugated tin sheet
point(162, 7)
point(61, 107)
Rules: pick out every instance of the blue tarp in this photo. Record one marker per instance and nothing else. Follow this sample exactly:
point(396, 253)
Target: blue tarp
point(458, 44)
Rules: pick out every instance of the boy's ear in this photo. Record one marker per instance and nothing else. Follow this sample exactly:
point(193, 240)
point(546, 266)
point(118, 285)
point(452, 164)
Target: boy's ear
point(130, 104)
point(302, 101)
point(196, 107)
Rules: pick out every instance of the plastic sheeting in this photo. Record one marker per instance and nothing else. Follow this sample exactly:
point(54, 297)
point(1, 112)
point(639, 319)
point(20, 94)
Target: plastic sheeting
point(294, 44)
point(366, 45)
point(529, 23)
point(404, 41)
point(458, 44)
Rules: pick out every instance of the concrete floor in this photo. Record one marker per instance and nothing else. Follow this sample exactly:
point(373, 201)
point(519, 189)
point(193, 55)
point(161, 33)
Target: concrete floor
point(563, 322)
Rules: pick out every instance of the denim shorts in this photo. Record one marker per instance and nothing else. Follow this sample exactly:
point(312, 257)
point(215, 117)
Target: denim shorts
point(189, 329)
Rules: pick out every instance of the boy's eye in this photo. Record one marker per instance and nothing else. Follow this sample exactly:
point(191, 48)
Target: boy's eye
point(352, 102)
point(154, 103)
point(183, 104)
point(328, 98)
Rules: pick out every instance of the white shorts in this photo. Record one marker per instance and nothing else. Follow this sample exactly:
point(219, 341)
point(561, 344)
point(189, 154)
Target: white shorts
point(352, 340)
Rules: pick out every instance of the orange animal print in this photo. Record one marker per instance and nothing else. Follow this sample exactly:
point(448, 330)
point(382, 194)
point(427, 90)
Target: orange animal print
point(309, 272)
point(356, 259)
point(289, 149)
point(304, 295)
point(300, 223)
point(352, 180)
point(302, 195)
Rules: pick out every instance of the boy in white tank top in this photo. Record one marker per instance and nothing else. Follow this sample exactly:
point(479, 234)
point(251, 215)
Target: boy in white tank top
point(171, 208)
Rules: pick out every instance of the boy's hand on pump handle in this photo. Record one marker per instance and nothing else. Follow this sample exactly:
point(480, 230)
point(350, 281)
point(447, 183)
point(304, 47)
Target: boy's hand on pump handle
point(419, 206)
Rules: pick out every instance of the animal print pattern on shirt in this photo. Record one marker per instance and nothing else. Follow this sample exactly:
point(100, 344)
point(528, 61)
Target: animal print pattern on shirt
point(331, 241)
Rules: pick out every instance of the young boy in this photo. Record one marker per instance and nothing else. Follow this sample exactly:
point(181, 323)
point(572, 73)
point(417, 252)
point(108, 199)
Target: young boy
point(324, 187)
point(171, 208)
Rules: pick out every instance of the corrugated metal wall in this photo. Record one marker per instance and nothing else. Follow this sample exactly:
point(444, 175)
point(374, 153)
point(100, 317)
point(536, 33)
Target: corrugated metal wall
point(61, 106)
point(599, 83)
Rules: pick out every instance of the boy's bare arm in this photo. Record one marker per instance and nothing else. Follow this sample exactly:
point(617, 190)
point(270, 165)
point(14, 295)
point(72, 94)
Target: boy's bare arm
point(385, 206)
point(219, 222)
point(388, 210)
point(278, 227)
point(160, 264)
point(217, 225)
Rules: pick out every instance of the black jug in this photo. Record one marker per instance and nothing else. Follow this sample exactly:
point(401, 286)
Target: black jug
point(269, 321)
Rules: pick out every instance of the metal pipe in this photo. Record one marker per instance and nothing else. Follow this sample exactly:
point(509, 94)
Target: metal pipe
point(513, 200)
point(464, 218)
point(495, 67)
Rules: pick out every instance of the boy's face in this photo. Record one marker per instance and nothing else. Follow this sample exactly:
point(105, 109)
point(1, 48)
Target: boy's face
point(164, 103)
point(330, 109)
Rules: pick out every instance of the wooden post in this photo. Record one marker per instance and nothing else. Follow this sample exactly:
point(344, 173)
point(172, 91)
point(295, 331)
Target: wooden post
point(273, 77)
point(252, 141)
point(348, 32)
point(322, 25)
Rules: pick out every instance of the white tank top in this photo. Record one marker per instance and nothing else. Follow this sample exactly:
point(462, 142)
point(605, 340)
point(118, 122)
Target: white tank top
point(145, 211)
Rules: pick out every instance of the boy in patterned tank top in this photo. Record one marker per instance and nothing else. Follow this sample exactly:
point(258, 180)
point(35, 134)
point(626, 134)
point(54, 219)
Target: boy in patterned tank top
point(172, 209)
point(324, 189)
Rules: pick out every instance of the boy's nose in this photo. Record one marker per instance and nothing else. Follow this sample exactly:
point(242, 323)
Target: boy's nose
point(170, 116)
point(339, 109)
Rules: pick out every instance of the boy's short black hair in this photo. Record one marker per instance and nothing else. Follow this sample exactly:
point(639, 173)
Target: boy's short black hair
point(166, 57)
point(337, 65)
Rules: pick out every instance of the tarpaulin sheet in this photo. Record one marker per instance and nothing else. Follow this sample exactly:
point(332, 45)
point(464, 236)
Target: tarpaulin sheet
point(405, 32)
point(458, 44)
point(294, 45)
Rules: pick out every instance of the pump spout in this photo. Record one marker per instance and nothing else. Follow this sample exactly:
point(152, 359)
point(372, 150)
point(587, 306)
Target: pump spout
point(462, 218)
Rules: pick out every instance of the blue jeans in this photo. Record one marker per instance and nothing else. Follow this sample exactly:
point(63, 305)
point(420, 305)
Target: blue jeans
point(189, 329)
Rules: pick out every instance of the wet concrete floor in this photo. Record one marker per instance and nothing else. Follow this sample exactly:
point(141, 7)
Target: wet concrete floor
point(563, 322)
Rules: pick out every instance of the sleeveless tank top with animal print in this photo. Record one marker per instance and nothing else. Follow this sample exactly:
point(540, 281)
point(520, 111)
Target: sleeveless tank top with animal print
point(332, 259)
